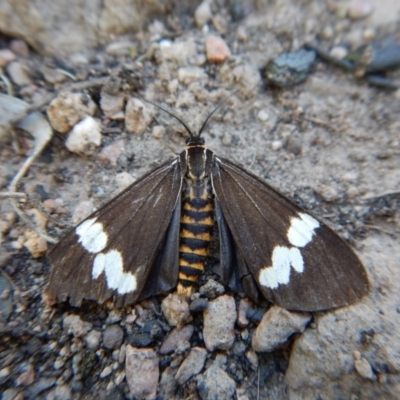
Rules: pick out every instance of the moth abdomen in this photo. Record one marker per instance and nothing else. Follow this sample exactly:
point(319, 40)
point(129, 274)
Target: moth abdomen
point(197, 223)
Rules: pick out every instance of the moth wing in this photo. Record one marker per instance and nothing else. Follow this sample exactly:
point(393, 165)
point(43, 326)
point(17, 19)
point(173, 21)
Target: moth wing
point(126, 250)
point(296, 261)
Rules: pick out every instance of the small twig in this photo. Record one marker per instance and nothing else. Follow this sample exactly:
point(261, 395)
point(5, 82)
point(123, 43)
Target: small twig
point(12, 195)
point(381, 196)
point(13, 189)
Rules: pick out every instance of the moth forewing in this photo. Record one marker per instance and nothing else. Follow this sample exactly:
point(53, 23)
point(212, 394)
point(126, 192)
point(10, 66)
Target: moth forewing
point(296, 261)
point(119, 248)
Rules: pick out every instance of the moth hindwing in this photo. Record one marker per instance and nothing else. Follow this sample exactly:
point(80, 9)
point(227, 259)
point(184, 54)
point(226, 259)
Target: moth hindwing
point(154, 236)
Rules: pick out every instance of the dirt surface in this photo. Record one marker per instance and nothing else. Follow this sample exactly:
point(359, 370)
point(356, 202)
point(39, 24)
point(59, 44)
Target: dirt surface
point(331, 143)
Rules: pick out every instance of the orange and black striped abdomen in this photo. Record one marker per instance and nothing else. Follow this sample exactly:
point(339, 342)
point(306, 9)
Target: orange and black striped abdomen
point(197, 223)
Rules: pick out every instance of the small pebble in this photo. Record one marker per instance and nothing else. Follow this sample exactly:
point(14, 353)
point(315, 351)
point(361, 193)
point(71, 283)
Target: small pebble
point(19, 47)
point(106, 372)
point(244, 306)
point(158, 131)
point(36, 245)
point(359, 9)
point(52, 75)
point(219, 323)
point(241, 33)
point(142, 372)
point(215, 383)
point(82, 210)
point(217, 50)
point(137, 116)
point(177, 340)
point(112, 105)
point(18, 73)
point(202, 14)
point(327, 32)
point(123, 180)
point(112, 337)
point(187, 75)
point(27, 377)
point(251, 355)
point(198, 305)
point(62, 392)
point(363, 367)
point(92, 339)
point(69, 108)
point(191, 365)
point(338, 52)
point(212, 289)
point(176, 310)
point(73, 324)
point(110, 154)
point(352, 192)
point(328, 193)
point(85, 137)
point(6, 56)
point(263, 115)
point(276, 145)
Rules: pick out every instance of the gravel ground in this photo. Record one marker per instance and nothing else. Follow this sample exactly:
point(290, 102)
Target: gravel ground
point(331, 143)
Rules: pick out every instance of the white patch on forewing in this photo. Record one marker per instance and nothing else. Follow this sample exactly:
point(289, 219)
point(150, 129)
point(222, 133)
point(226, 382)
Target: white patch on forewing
point(111, 263)
point(279, 273)
point(92, 236)
point(284, 258)
point(302, 230)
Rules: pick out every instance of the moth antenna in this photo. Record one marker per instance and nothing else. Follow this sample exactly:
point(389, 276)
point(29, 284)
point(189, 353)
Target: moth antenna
point(215, 109)
point(169, 113)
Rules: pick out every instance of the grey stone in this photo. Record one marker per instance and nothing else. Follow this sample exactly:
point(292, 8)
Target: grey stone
point(177, 340)
point(142, 372)
point(212, 289)
point(191, 365)
point(219, 323)
point(176, 310)
point(276, 326)
point(112, 337)
point(62, 392)
point(92, 339)
point(137, 116)
point(73, 324)
point(215, 384)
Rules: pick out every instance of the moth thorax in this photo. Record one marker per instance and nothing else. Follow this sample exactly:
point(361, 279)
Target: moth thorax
point(196, 159)
point(196, 227)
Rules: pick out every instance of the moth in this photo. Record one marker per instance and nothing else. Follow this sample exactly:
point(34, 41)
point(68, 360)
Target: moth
point(154, 237)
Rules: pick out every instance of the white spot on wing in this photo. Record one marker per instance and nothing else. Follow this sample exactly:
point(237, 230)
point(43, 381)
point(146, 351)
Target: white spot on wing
point(302, 230)
point(284, 258)
point(111, 263)
point(92, 236)
point(279, 273)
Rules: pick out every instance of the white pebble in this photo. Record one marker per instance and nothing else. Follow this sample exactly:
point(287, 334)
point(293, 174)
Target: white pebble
point(85, 137)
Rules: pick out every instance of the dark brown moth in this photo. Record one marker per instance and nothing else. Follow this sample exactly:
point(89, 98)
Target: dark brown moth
point(154, 236)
